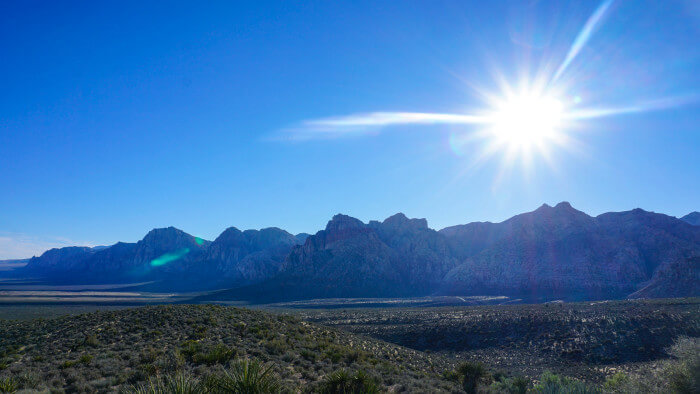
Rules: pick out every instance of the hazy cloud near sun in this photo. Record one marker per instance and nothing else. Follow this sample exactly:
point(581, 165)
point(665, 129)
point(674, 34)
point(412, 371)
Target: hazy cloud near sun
point(357, 124)
point(22, 246)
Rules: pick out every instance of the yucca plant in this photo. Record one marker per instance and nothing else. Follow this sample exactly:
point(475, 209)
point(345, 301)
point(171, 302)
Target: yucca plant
point(178, 384)
point(246, 377)
point(471, 374)
point(8, 385)
point(341, 382)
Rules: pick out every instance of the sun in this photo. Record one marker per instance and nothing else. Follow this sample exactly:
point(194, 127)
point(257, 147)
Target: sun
point(526, 120)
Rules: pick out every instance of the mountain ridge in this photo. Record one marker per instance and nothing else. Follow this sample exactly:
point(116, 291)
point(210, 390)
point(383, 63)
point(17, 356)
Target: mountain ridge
point(550, 252)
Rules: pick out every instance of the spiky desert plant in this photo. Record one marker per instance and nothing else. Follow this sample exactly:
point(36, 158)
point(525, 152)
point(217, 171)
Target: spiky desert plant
point(341, 382)
point(246, 377)
point(471, 375)
point(8, 385)
point(177, 384)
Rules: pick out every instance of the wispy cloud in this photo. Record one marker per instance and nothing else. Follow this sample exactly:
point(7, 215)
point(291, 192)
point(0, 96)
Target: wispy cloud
point(368, 122)
point(21, 246)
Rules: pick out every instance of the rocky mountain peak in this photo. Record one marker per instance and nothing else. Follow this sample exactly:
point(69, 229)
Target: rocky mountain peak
point(342, 222)
point(231, 235)
point(165, 233)
point(168, 239)
point(399, 221)
point(564, 205)
point(563, 214)
point(692, 218)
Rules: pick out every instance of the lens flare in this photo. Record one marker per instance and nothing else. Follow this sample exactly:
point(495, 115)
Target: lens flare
point(169, 257)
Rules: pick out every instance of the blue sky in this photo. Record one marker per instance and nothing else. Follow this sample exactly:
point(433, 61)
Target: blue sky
point(119, 117)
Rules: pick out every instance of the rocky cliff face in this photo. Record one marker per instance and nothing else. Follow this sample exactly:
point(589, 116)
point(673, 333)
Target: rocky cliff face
point(344, 259)
point(424, 254)
point(250, 256)
point(679, 278)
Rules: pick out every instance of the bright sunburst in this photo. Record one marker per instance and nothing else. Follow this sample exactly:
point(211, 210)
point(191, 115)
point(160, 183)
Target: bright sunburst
point(526, 120)
point(530, 119)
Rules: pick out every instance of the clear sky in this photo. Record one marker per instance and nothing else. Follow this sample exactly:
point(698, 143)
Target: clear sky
point(118, 117)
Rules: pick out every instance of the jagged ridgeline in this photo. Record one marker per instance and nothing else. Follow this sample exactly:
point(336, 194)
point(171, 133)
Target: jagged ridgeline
point(552, 252)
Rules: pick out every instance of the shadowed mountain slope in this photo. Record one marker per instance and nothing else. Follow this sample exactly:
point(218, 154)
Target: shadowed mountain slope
point(560, 252)
point(692, 218)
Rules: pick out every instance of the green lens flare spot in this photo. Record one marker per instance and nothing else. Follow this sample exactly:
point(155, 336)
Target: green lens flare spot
point(169, 257)
point(199, 241)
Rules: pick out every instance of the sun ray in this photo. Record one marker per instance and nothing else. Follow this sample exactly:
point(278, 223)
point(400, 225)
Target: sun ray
point(583, 36)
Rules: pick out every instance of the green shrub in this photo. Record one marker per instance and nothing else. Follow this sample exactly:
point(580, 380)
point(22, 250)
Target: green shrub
point(341, 382)
point(219, 354)
point(171, 361)
point(86, 359)
point(308, 355)
point(516, 385)
point(617, 383)
point(680, 374)
point(451, 375)
point(8, 385)
point(555, 384)
point(69, 363)
point(683, 373)
point(246, 377)
point(276, 346)
point(91, 340)
point(29, 380)
point(471, 374)
point(189, 348)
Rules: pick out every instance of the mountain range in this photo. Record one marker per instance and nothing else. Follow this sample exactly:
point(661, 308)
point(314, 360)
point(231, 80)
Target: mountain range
point(550, 253)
